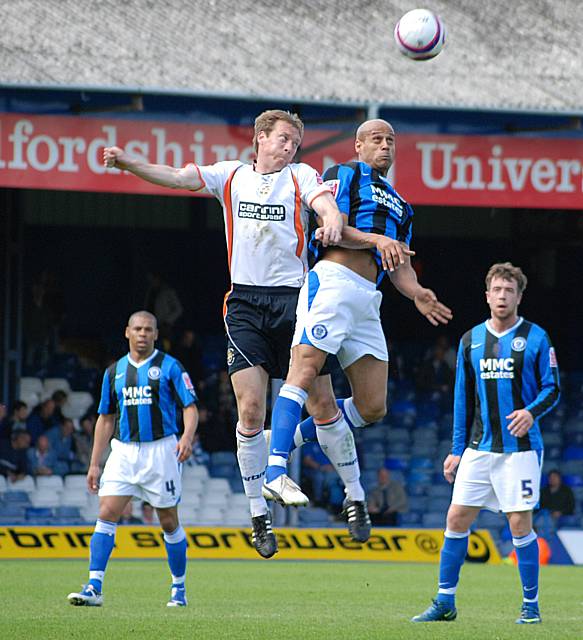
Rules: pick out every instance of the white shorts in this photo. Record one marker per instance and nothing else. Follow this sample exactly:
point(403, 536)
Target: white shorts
point(149, 471)
point(339, 313)
point(505, 482)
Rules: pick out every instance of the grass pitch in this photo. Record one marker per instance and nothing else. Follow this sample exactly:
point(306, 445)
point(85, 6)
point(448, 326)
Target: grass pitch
point(279, 601)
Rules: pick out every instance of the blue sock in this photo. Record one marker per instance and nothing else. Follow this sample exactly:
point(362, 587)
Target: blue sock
point(453, 554)
point(307, 428)
point(286, 415)
point(176, 545)
point(528, 563)
point(100, 548)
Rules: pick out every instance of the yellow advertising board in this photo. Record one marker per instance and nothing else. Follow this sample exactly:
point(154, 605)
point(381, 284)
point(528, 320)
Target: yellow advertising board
point(387, 545)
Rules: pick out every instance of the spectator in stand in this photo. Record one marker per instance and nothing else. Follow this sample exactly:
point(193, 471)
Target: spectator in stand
point(61, 444)
point(83, 444)
point(322, 477)
point(41, 419)
point(557, 498)
point(59, 398)
point(15, 422)
point(188, 351)
point(163, 301)
point(435, 377)
point(387, 500)
point(3, 417)
point(41, 459)
point(13, 456)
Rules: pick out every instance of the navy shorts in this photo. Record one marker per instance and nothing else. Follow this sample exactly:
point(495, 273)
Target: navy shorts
point(260, 322)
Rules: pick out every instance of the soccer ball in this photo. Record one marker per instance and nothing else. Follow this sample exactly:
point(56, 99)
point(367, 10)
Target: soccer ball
point(420, 34)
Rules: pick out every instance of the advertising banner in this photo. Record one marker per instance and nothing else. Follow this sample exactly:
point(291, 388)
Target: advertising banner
point(386, 545)
point(59, 152)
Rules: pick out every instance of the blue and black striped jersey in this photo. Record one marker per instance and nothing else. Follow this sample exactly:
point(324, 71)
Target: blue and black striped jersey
point(497, 374)
point(146, 397)
point(371, 204)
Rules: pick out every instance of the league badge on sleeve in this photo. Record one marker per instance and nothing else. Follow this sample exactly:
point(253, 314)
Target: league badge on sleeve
point(188, 382)
point(333, 186)
point(552, 357)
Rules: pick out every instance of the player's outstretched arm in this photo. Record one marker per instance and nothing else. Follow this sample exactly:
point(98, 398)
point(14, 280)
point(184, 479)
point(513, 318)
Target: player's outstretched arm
point(405, 281)
point(184, 445)
point(329, 216)
point(103, 432)
point(160, 174)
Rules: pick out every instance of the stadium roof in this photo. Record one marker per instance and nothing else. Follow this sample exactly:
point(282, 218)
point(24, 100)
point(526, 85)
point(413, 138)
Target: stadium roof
point(524, 54)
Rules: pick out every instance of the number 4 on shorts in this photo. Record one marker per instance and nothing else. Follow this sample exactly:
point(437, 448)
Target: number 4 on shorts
point(170, 487)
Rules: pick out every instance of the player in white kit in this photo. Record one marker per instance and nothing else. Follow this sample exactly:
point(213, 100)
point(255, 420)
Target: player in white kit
point(265, 207)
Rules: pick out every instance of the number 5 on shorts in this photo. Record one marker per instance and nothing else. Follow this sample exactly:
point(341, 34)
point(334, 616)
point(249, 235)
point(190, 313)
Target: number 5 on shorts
point(526, 488)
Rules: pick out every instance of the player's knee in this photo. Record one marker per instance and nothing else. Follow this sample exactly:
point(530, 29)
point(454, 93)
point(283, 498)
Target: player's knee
point(322, 407)
point(168, 519)
point(251, 413)
point(246, 429)
point(373, 411)
point(458, 520)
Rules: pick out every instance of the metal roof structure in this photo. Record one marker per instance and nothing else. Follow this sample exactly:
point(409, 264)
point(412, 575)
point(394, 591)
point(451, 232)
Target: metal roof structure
point(523, 55)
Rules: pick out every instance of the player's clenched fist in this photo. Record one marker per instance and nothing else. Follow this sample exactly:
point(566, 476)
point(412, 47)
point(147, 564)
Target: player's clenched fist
point(113, 157)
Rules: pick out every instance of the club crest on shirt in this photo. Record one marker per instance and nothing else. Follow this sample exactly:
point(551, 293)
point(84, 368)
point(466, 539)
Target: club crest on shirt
point(154, 373)
point(319, 331)
point(264, 188)
point(230, 356)
point(518, 344)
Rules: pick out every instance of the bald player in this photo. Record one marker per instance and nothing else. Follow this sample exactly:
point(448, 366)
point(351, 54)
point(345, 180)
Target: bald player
point(339, 313)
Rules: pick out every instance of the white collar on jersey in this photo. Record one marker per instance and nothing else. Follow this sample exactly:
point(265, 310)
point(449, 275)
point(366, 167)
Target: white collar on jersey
point(137, 365)
point(500, 335)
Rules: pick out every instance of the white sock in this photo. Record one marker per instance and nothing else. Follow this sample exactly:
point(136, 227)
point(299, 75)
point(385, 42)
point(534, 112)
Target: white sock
point(337, 443)
point(252, 457)
point(352, 414)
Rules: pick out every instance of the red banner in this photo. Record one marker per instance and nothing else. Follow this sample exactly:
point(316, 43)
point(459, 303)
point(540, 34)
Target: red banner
point(58, 152)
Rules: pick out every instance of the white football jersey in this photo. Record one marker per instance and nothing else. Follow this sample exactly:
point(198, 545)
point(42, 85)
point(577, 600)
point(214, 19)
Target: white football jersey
point(266, 220)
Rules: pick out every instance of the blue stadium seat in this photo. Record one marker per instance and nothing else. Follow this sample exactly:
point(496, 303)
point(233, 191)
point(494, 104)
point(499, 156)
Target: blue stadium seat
point(223, 457)
point(223, 471)
point(418, 503)
point(14, 511)
point(33, 513)
point(434, 520)
point(419, 477)
point(368, 478)
point(313, 517)
point(398, 448)
point(397, 464)
point(418, 463)
point(442, 490)
point(236, 483)
point(573, 453)
point(570, 522)
point(19, 498)
point(411, 519)
point(488, 519)
point(417, 490)
point(573, 480)
point(67, 512)
point(440, 504)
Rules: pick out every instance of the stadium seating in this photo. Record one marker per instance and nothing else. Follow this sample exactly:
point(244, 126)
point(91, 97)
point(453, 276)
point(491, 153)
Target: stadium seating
point(50, 385)
point(77, 405)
